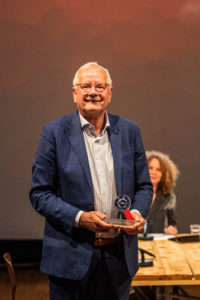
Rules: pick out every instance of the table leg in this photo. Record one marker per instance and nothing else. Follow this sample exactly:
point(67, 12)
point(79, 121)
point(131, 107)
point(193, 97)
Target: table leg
point(167, 292)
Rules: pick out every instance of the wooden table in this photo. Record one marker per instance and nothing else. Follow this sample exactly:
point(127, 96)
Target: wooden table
point(175, 264)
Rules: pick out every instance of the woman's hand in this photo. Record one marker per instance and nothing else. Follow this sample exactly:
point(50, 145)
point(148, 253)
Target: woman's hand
point(170, 230)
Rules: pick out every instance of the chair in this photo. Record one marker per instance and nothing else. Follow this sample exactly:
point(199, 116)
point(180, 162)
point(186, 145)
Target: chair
point(9, 265)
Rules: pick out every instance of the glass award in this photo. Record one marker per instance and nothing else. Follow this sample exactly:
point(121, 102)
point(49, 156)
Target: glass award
point(119, 216)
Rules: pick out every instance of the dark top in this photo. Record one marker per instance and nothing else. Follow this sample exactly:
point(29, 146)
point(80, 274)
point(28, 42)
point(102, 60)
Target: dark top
point(162, 213)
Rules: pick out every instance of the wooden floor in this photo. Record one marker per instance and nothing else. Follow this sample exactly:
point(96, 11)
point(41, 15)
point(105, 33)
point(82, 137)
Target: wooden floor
point(31, 284)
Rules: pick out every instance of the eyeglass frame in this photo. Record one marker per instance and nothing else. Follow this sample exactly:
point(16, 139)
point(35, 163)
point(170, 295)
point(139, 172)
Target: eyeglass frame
point(88, 89)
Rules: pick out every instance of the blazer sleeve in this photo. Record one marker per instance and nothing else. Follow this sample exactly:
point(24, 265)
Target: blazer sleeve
point(143, 186)
point(44, 193)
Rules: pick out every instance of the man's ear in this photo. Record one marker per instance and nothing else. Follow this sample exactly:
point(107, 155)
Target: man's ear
point(111, 89)
point(74, 93)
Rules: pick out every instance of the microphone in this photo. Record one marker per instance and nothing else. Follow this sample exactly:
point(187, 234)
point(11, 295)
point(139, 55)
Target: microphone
point(145, 236)
point(145, 262)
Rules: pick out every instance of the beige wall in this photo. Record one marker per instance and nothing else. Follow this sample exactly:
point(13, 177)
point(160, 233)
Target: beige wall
point(152, 49)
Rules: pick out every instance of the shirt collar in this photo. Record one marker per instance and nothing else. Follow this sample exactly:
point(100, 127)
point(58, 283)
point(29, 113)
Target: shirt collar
point(85, 124)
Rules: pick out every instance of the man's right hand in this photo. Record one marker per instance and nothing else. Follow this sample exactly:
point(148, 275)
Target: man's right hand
point(93, 221)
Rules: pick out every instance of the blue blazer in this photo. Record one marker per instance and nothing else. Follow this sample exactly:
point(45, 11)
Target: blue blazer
point(62, 186)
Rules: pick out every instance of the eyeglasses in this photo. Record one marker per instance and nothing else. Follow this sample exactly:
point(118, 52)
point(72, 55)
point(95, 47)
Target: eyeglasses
point(86, 87)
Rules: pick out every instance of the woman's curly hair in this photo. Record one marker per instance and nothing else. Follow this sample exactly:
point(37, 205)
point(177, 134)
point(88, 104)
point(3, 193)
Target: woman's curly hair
point(169, 171)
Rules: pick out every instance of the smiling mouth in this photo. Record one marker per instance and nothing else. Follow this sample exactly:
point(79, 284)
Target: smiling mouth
point(92, 100)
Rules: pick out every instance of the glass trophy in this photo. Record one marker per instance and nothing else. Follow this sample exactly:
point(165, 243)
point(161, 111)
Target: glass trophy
point(121, 214)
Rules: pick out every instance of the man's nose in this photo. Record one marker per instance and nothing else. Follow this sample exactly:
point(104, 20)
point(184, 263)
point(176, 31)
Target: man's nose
point(92, 91)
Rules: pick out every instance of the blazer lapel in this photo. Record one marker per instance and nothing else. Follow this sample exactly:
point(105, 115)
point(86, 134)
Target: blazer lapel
point(75, 136)
point(115, 141)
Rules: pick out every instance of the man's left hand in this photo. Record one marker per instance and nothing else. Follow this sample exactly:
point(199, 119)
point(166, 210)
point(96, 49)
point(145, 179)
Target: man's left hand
point(138, 225)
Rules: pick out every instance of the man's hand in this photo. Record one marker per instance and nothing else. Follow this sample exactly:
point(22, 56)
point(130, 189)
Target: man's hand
point(138, 225)
point(93, 221)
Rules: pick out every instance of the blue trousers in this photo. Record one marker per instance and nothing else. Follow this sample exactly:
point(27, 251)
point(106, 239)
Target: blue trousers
point(106, 279)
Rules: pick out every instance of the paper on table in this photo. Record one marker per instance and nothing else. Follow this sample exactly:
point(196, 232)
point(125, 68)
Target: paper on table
point(157, 236)
point(160, 236)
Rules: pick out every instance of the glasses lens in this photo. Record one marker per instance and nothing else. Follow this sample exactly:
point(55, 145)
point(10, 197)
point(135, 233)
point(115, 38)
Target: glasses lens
point(86, 87)
point(100, 87)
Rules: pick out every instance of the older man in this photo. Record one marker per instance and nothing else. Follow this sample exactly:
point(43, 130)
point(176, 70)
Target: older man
point(84, 161)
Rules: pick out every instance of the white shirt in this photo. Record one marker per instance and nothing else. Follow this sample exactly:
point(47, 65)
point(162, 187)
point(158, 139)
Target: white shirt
point(102, 171)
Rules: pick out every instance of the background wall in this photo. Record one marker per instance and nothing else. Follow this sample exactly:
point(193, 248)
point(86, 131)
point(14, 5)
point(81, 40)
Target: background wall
point(152, 49)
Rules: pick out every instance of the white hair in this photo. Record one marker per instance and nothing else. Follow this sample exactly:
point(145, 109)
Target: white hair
point(88, 66)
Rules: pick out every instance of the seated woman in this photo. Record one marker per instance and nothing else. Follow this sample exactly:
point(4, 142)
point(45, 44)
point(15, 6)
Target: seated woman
point(162, 216)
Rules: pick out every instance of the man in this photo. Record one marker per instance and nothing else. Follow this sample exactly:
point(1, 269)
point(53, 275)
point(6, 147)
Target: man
point(83, 162)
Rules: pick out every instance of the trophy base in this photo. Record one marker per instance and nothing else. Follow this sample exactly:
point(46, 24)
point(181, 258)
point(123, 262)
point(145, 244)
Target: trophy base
point(122, 222)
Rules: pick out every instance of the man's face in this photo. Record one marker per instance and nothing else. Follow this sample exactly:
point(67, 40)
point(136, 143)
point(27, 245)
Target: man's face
point(92, 95)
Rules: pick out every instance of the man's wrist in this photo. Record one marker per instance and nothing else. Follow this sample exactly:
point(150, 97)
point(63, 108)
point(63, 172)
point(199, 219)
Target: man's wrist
point(136, 211)
point(77, 219)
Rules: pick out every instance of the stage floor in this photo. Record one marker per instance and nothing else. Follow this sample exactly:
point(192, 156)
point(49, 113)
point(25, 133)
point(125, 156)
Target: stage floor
point(31, 284)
